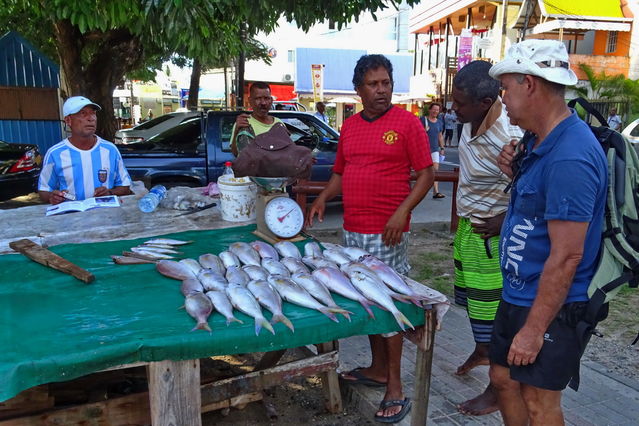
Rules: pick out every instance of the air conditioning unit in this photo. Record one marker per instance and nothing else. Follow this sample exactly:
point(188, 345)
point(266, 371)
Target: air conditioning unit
point(287, 77)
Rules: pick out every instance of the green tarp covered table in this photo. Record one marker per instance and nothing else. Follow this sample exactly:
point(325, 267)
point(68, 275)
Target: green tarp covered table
point(56, 328)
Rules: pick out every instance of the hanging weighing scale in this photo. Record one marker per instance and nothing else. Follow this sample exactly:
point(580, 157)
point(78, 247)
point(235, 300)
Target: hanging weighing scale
point(278, 216)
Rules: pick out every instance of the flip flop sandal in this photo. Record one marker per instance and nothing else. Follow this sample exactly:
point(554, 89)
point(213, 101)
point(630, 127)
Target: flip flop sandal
point(439, 195)
point(360, 379)
point(404, 403)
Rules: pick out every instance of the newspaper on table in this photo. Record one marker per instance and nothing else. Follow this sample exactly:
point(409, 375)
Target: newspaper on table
point(80, 206)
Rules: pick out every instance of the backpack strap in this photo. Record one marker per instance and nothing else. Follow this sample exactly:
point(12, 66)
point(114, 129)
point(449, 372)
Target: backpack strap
point(589, 109)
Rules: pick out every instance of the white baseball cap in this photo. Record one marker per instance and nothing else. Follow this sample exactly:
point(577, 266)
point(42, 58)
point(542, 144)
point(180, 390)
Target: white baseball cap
point(75, 103)
point(547, 59)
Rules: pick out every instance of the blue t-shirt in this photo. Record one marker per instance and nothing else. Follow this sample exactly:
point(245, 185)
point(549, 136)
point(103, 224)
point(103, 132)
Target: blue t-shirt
point(564, 178)
point(434, 129)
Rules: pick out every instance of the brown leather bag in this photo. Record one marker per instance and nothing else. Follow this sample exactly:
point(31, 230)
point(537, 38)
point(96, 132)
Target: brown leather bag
point(272, 154)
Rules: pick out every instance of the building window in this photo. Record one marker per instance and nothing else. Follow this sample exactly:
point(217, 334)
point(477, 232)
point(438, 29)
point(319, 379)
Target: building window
point(291, 56)
point(611, 47)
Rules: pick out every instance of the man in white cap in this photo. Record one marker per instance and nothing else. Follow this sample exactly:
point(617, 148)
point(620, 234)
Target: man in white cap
point(550, 237)
point(84, 165)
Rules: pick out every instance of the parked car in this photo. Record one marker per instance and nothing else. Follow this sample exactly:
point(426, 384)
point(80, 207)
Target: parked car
point(632, 132)
point(19, 169)
point(144, 131)
point(193, 153)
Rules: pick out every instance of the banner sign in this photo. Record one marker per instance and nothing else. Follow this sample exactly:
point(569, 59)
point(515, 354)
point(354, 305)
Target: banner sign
point(465, 51)
point(317, 71)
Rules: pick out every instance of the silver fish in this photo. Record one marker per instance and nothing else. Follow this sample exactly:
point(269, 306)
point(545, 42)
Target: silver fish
point(245, 253)
point(199, 307)
point(265, 249)
point(222, 304)
point(294, 265)
point(319, 262)
point(376, 290)
point(255, 272)
point(175, 270)
point(338, 283)
point(191, 286)
point(312, 249)
point(126, 260)
point(192, 264)
point(293, 293)
point(164, 246)
point(211, 261)
point(167, 241)
point(271, 300)
point(229, 259)
point(211, 280)
point(352, 267)
point(317, 290)
point(147, 254)
point(274, 267)
point(333, 246)
point(244, 301)
point(336, 256)
point(355, 253)
point(390, 277)
point(144, 248)
point(287, 249)
point(237, 276)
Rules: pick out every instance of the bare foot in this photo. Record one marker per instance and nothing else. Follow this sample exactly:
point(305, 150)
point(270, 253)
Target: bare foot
point(478, 357)
point(481, 405)
point(393, 409)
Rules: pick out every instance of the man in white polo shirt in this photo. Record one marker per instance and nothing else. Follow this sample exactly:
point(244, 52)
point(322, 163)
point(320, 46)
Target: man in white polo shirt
point(84, 165)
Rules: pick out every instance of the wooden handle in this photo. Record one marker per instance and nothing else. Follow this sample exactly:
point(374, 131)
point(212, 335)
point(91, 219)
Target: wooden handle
point(47, 258)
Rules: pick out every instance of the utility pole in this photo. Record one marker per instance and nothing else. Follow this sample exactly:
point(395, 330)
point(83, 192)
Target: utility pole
point(504, 23)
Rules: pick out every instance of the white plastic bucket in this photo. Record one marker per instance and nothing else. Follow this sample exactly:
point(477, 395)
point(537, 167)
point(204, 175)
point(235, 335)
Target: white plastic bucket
point(237, 198)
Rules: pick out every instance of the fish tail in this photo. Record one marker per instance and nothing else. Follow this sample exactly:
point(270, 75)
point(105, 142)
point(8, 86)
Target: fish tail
point(402, 297)
point(401, 320)
point(281, 318)
point(267, 325)
point(346, 315)
point(366, 304)
point(233, 319)
point(329, 313)
point(202, 326)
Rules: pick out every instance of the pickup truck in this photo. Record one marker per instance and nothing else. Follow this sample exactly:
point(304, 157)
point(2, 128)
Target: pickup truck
point(193, 153)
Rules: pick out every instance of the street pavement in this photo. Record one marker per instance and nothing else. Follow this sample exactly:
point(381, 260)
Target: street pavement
point(604, 398)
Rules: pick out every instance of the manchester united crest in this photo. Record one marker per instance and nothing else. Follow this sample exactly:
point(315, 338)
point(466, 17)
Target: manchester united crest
point(390, 137)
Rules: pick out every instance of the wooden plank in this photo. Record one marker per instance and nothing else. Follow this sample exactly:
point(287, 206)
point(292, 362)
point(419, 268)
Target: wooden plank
point(423, 367)
point(27, 402)
point(256, 381)
point(47, 258)
point(130, 410)
point(236, 401)
point(330, 382)
point(174, 393)
point(269, 359)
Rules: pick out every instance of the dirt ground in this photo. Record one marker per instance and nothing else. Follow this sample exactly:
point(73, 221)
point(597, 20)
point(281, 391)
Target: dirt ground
point(301, 401)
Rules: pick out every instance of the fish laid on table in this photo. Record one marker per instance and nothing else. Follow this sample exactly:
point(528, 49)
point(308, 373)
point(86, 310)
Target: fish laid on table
point(154, 249)
point(332, 246)
point(191, 286)
point(265, 249)
point(255, 272)
point(211, 261)
point(336, 256)
point(319, 262)
point(293, 293)
point(126, 260)
point(274, 267)
point(247, 254)
point(317, 290)
point(167, 241)
point(211, 280)
point(229, 259)
point(193, 265)
point(237, 276)
point(148, 255)
point(376, 290)
point(243, 300)
point(353, 267)
point(163, 246)
point(294, 265)
point(222, 304)
point(390, 277)
point(175, 270)
point(287, 249)
point(312, 249)
point(339, 283)
point(270, 299)
point(355, 253)
point(199, 307)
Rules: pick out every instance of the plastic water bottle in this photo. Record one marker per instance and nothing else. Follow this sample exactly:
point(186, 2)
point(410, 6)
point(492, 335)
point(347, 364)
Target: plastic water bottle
point(150, 201)
point(228, 169)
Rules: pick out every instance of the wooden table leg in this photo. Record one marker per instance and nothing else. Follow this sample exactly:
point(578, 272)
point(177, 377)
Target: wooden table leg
point(330, 382)
point(423, 367)
point(174, 393)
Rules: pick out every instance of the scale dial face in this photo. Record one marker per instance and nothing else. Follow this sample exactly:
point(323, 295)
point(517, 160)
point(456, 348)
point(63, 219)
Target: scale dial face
point(283, 217)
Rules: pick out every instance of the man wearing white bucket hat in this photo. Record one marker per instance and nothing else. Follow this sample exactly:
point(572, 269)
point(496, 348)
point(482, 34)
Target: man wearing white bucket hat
point(550, 238)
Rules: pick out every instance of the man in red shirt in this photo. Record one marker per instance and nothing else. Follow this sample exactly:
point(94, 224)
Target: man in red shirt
point(378, 147)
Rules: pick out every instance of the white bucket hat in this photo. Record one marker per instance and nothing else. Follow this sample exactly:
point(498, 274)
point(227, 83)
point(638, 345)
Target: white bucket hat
point(75, 103)
point(547, 59)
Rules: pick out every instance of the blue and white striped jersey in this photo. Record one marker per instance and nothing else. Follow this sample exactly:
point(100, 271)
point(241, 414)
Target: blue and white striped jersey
point(66, 167)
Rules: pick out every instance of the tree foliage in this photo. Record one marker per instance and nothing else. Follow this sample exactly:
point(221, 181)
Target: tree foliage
point(99, 42)
point(610, 88)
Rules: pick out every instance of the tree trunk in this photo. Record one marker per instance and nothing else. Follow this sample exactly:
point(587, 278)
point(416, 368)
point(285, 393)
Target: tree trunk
point(240, 69)
point(194, 87)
